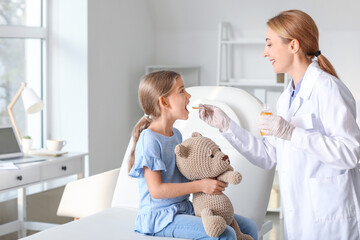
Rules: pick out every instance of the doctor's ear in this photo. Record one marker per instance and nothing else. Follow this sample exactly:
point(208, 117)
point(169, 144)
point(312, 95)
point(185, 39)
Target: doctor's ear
point(294, 46)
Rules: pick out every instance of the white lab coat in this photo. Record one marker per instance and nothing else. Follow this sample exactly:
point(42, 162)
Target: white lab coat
point(319, 173)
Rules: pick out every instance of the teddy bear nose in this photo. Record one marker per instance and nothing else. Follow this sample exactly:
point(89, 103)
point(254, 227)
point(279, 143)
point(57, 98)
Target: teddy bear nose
point(225, 157)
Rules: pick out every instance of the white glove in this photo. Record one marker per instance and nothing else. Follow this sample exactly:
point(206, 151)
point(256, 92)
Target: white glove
point(214, 116)
point(273, 125)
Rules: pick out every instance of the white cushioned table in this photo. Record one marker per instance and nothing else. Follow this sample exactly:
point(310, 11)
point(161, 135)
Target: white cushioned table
point(112, 223)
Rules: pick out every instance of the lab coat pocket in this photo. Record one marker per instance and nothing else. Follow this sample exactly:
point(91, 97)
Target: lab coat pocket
point(304, 121)
point(332, 198)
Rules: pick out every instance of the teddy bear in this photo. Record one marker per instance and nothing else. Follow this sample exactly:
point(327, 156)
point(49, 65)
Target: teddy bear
point(197, 158)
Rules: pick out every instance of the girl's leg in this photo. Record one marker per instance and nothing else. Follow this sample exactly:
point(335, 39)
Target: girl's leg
point(247, 226)
point(191, 227)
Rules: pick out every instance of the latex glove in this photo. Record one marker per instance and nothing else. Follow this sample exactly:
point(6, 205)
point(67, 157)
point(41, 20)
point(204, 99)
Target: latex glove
point(214, 116)
point(273, 125)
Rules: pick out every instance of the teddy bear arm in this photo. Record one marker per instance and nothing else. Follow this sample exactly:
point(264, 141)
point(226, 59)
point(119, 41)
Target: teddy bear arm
point(230, 168)
point(230, 177)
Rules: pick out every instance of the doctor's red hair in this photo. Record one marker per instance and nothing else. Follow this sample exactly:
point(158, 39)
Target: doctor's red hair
point(296, 24)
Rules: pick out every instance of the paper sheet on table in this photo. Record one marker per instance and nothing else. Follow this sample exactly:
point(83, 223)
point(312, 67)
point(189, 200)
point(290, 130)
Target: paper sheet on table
point(46, 152)
point(7, 166)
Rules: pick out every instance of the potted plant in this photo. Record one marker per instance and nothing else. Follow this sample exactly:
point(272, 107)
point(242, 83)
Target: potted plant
point(26, 143)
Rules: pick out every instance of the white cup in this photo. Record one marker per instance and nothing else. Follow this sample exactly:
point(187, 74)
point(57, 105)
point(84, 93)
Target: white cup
point(55, 144)
point(26, 144)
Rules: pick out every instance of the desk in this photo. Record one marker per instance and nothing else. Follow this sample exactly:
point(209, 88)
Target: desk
point(29, 174)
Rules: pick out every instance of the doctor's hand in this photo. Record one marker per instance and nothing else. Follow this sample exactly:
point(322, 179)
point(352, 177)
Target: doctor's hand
point(273, 125)
point(214, 116)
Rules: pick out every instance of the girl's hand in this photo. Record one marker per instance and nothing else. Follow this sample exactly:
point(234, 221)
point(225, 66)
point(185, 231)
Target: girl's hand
point(160, 190)
point(212, 186)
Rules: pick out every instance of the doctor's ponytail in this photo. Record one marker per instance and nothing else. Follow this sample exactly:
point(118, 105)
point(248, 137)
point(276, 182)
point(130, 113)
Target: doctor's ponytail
point(151, 88)
point(296, 24)
point(326, 65)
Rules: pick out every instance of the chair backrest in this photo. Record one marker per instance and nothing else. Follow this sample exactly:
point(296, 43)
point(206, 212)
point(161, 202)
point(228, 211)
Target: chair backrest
point(88, 196)
point(250, 198)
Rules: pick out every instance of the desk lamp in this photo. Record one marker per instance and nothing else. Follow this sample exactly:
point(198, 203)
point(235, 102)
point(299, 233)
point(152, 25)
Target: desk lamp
point(32, 104)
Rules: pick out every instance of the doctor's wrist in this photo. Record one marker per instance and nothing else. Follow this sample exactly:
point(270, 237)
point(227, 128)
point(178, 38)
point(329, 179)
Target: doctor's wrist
point(226, 125)
point(291, 131)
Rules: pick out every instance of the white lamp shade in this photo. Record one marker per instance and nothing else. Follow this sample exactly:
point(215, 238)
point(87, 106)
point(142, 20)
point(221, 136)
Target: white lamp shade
point(32, 102)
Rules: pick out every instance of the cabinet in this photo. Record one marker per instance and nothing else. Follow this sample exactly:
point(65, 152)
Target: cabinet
point(39, 175)
point(241, 64)
point(190, 73)
point(12, 179)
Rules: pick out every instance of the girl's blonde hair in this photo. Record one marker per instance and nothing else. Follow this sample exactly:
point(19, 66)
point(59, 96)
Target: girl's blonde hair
point(296, 24)
point(152, 86)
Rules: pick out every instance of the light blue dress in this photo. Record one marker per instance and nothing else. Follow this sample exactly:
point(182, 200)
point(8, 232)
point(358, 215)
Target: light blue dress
point(156, 152)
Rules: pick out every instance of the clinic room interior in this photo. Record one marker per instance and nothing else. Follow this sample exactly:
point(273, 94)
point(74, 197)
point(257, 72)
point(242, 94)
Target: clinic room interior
point(86, 59)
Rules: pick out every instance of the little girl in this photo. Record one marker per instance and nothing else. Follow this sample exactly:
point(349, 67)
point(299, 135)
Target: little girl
point(165, 209)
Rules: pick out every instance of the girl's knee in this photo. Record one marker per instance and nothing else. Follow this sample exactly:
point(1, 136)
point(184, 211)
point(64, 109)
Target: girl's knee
point(247, 226)
point(252, 229)
point(228, 234)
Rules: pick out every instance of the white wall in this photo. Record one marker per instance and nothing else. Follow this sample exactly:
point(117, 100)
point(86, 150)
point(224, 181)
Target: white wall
point(98, 52)
point(66, 104)
point(186, 31)
point(120, 44)
point(94, 102)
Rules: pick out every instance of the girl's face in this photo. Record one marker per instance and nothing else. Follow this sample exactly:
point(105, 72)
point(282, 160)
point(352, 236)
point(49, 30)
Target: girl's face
point(178, 101)
point(278, 52)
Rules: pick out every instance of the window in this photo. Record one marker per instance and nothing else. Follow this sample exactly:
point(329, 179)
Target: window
point(22, 51)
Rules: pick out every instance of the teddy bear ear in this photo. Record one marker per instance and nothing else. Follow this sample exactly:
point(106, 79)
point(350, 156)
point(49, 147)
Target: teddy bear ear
point(196, 134)
point(181, 151)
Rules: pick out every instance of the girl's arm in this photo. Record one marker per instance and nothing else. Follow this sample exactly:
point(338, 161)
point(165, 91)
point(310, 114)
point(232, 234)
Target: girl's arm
point(158, 189)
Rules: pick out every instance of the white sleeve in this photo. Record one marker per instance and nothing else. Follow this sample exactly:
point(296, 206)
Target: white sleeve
point(260, 152)
point(339, 152)
point(338, 144)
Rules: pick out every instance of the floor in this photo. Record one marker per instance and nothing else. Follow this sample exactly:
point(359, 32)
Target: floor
point(42, 207)
point(277, 232)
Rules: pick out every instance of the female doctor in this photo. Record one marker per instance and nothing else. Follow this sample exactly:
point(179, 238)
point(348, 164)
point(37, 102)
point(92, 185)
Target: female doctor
point(314, 139)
